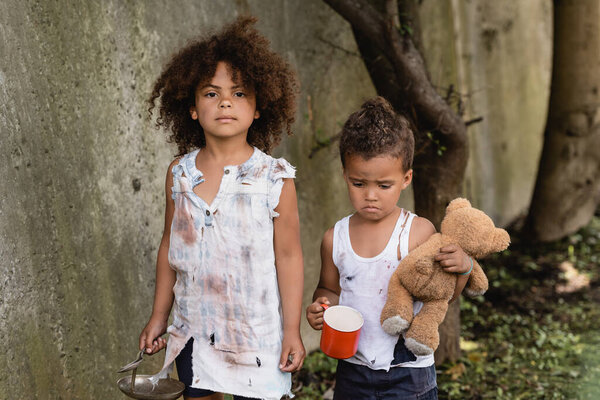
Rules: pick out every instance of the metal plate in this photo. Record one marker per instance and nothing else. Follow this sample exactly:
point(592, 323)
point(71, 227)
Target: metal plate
point(166, 389)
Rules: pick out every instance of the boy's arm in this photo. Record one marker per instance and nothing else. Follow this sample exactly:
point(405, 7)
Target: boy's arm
point(290, 276)
point(453, 259)
point(328, 289)
point(421, 229)
point(165, 280)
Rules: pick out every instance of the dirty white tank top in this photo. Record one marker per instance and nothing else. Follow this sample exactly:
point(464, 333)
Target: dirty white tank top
point(364, 284)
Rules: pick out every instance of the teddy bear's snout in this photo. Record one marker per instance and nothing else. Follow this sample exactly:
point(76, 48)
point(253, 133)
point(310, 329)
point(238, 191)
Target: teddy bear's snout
point(500, 242)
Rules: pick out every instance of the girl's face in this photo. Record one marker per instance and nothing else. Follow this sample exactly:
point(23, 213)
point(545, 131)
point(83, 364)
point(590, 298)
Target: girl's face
point(224, 108)
point(374, 185)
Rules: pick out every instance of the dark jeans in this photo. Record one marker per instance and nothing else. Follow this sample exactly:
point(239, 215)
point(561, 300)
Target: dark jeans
point(184, 371)
point(358, 382)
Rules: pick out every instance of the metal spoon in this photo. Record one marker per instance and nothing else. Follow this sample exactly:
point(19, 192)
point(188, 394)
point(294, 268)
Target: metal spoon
point(133, 364)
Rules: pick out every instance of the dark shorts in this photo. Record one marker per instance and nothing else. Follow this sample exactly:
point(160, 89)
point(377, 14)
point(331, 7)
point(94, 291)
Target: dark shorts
point(184, 371)
point(358, 382)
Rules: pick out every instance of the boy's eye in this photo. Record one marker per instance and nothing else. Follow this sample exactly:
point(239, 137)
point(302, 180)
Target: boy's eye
point(211, 94)
point(385, 186)
point(357, 184)
point(239, 94)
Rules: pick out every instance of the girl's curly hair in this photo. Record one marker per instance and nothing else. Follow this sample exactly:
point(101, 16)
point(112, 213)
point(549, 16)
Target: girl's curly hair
point(251, 60)
point(375, 130)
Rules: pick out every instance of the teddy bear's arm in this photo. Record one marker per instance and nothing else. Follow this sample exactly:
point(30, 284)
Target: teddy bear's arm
point(478, 282)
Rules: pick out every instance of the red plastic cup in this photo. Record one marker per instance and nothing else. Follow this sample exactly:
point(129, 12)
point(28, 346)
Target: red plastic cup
point(341, 331)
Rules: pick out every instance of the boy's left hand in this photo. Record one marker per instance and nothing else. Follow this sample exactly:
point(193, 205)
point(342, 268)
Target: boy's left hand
point(292, 353)
point(453, 259)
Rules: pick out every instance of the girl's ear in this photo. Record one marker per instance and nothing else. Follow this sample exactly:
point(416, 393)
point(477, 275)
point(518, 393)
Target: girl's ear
point(407, 179)
point(193, 112)
point(256, 114)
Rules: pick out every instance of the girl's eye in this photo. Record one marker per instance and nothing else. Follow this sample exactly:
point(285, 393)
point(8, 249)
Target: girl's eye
point(385, 186)
point(239, 94)
point(211, 94)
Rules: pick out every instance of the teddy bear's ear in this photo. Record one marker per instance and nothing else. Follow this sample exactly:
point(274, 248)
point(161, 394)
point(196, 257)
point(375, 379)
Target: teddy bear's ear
point(458, 203)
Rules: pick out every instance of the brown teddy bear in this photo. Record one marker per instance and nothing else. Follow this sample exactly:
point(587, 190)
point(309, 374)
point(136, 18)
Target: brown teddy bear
point(420, 277)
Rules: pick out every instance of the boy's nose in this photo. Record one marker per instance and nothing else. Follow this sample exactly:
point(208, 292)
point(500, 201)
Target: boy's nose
point(225, 104)
point(371, 195)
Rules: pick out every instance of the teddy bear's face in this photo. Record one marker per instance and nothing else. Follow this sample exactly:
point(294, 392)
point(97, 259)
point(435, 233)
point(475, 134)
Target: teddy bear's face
point(473, 230)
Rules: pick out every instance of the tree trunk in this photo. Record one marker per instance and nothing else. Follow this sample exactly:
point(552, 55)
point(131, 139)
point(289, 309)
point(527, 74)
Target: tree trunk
point(398, 72)
point(567, 190)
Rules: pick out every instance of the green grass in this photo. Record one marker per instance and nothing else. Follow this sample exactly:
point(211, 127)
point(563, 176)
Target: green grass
point(522, 340)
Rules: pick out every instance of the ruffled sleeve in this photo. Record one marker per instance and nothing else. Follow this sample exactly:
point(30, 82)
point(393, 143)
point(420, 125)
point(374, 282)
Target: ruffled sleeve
point(280, 170)
point(177, 172)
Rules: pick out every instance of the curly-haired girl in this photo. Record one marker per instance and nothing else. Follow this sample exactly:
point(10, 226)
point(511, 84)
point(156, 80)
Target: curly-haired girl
point(229, 264)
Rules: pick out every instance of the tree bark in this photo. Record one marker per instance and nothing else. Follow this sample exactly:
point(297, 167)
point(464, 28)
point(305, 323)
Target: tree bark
point(567, 190)
point(399, 74)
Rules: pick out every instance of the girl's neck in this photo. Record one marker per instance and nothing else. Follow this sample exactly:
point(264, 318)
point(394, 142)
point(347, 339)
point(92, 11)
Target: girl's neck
point(227, 152)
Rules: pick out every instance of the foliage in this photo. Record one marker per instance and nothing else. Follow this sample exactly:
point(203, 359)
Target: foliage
point(315, 378)
point(523, 339)
point(440, 147)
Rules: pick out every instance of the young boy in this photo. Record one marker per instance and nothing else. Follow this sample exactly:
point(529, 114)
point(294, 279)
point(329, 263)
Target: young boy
point(360, 253)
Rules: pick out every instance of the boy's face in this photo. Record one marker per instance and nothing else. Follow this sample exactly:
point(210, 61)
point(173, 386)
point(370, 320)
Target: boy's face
point(374, 185)
point(223, 107)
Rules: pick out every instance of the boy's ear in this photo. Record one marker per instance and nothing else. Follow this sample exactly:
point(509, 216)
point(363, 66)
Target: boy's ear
point(407, 179)
point(193, 112)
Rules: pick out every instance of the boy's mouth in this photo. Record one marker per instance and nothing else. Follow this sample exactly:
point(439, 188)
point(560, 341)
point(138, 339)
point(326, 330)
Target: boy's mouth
point(371, 209)
point(226, 118)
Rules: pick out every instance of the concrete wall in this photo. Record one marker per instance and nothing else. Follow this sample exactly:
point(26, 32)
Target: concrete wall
point(82, 171)
point(82, 188)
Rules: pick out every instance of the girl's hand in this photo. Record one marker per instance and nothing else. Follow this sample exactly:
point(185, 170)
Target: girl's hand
point(314, 313)
point(150, 337)
point(453, 259)
point(292, 353)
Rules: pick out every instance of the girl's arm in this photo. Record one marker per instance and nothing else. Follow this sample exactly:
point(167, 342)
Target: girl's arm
point(290, 276)
point(165, 280)
point(328, 289)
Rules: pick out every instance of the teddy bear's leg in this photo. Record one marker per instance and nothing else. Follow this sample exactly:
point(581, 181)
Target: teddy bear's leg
point(478, 283)
point(398, 310)
point(422, 338)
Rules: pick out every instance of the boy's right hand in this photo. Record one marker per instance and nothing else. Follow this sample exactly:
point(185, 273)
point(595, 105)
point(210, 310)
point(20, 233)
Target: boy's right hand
point(314, 313)
point(150, 338)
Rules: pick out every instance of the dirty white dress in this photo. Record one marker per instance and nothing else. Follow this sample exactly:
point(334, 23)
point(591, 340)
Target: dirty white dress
point(226, 293)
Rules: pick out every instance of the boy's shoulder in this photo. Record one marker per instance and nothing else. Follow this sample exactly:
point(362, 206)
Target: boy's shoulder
point(328, 238)
point(420, 230)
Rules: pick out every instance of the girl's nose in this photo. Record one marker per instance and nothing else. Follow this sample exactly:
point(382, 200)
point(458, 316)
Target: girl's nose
point(225, 104)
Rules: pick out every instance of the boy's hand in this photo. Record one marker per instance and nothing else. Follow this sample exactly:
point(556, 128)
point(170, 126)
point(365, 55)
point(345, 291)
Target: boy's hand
point(292, 353)
point(453, 259)
point(314, 313)
point(150, 337)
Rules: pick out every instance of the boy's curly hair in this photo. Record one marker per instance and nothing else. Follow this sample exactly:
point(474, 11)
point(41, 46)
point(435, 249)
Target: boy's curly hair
point(375, 130)
point(252, 62)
